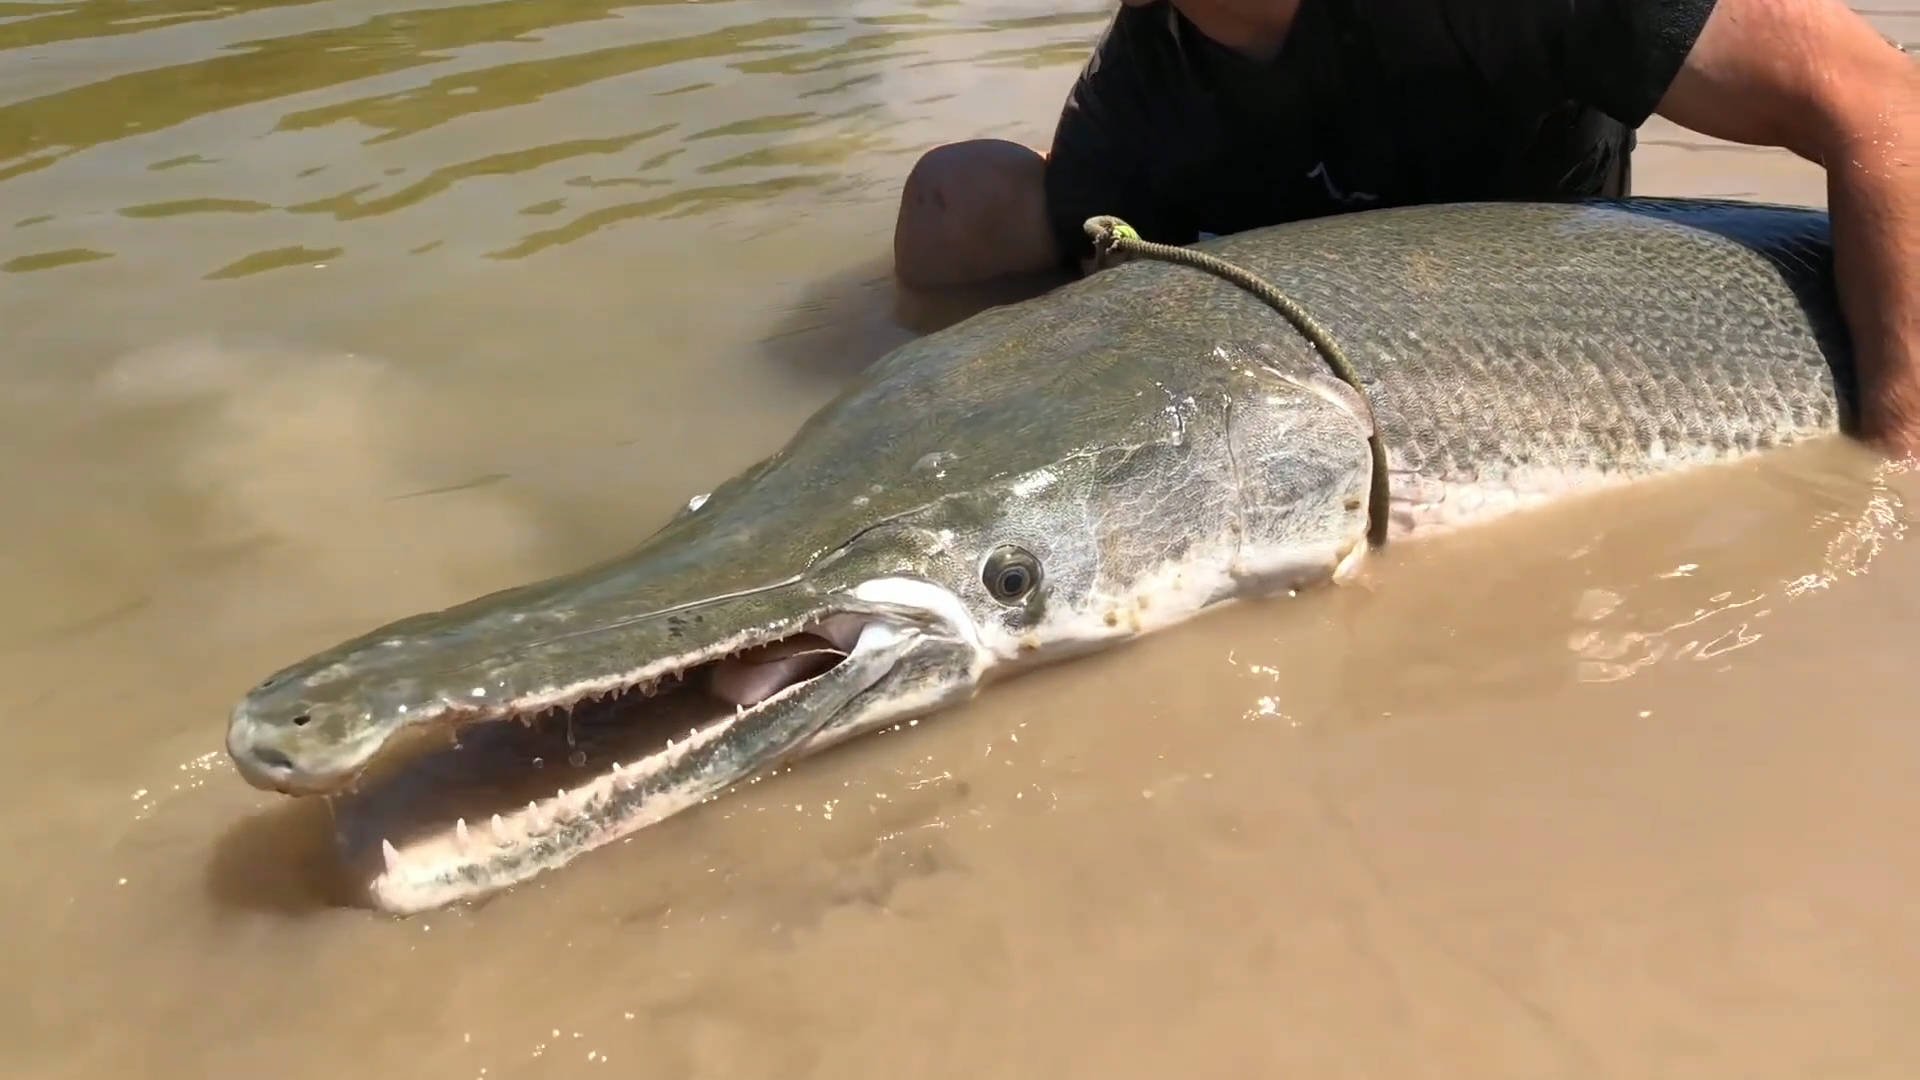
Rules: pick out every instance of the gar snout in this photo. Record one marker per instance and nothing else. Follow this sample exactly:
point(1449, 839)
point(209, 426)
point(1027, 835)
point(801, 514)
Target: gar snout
point(289, 736)
point(280, 742)
point(266, 756)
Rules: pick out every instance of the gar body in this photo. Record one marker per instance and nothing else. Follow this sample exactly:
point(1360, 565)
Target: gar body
point(1062, 474)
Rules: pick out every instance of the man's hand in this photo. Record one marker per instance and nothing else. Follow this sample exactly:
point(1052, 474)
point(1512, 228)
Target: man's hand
point(1813, 77)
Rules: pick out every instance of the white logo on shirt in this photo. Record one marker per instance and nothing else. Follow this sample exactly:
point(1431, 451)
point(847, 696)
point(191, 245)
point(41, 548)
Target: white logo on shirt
point(1345, 198)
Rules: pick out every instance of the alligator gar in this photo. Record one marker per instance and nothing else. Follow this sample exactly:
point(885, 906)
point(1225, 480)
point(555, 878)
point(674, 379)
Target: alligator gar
point(1066, 473)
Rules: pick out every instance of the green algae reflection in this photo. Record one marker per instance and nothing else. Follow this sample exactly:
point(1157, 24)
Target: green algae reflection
point(451, 97)
point(39, 131)
point(180, 207)
point(683, 203)
point(50, 23)
point(49, 260)
point(347, 205)
point(277, 259)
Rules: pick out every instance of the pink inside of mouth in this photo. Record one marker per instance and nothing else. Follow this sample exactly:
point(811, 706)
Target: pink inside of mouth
point(757, 674)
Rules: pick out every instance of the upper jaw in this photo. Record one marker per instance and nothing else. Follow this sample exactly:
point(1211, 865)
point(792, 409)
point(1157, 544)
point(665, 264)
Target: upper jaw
point(290, 760)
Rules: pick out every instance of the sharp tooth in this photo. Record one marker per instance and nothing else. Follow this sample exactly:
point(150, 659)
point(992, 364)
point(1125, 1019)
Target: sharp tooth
point(391, 854)
point(499, 831)
point(460, 835)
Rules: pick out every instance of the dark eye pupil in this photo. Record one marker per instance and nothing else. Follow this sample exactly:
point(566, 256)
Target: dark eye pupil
point(1010, 573)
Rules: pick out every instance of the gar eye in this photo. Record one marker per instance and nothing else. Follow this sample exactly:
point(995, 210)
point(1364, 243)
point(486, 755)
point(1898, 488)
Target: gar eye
point(1010, 573)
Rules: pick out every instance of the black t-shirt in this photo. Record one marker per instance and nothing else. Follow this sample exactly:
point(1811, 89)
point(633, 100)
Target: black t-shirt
point(1369, 103)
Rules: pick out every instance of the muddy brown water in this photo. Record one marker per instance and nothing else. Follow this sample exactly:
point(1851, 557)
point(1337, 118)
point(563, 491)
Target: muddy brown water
point(319, 313)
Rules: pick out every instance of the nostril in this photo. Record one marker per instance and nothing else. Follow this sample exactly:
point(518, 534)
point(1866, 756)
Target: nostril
point(302, 720)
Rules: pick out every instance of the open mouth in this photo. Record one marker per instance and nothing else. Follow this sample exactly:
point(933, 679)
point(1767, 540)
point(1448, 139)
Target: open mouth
point(503, 801)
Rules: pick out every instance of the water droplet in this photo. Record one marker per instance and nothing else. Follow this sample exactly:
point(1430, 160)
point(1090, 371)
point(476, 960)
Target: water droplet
point(577, 758)
point(539, 762)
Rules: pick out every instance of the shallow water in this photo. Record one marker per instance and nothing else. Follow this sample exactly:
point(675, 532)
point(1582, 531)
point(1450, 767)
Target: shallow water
point(1623, 790)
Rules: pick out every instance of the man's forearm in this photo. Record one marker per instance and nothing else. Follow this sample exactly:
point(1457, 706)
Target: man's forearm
point(1873, 196)
point(1814, 77)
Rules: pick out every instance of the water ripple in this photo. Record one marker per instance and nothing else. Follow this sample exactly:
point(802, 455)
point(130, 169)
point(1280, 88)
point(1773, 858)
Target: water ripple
point(678, 204)
point(49, 260)
point(454, 96)
point(456, 121)
point(1616, 643)
point(347, 205)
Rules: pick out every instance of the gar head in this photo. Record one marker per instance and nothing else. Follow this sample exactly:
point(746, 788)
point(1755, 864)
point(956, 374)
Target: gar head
point(962, 511)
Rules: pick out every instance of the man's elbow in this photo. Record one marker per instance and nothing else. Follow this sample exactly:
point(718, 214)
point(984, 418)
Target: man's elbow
point(1812, 77)
point(1865, 113)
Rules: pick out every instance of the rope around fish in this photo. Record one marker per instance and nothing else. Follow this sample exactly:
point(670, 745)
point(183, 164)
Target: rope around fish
point(1113, 236)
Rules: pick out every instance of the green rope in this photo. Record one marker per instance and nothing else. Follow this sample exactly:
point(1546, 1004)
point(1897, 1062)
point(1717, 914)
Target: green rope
point(1111, 235)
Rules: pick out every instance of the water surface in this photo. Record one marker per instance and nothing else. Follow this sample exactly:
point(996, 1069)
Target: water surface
point(318, 313)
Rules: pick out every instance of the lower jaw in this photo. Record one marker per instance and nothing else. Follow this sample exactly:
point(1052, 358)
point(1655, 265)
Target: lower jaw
point(506, 802)
point(502, 801)
point(475, 860)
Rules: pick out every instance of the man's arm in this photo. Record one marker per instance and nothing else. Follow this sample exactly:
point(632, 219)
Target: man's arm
point(1813, 77)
